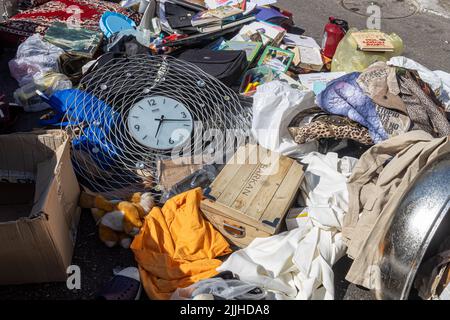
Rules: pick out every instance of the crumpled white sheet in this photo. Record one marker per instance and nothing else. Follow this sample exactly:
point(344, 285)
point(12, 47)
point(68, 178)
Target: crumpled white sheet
point(34, 58)
point(275, 104)
point(438, 80)
point(298, 264)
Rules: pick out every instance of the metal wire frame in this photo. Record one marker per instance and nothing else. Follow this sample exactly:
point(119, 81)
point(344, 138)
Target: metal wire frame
point(123, 82)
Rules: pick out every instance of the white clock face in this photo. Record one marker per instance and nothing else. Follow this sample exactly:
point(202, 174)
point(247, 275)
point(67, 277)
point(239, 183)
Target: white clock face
point(160, 122)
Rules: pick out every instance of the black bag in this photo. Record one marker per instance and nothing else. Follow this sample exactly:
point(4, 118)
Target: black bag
point(177, 16)
point(225, 65)
point(71, 65)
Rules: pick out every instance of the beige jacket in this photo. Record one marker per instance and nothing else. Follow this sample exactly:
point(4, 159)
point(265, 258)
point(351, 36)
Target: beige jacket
point(376, 186)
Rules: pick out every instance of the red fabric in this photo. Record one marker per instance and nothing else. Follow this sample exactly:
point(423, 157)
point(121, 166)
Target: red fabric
point(37, 20)
point(57, 10)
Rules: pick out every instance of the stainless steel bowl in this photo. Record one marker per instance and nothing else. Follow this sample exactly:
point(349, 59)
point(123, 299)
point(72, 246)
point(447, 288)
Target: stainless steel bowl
point(419, 214)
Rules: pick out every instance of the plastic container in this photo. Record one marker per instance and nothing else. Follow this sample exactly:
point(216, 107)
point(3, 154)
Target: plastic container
point(200, 178)
point(255, 77)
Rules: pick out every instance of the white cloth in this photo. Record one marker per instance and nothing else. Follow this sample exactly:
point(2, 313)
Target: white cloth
point(438, 80)
point(275, 104)
point(296, 263)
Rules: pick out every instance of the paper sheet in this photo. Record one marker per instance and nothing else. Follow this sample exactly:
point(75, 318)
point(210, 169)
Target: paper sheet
point(298, 40)
point(213, 4)
point(263, 2)
point(309, 79)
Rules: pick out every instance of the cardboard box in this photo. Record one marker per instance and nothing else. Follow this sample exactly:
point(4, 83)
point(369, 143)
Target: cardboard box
point(39, 210)
point(250, 200)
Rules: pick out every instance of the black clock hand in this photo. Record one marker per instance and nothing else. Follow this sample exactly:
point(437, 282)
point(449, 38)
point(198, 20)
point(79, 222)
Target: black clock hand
point(173, 120)
point(159, 125)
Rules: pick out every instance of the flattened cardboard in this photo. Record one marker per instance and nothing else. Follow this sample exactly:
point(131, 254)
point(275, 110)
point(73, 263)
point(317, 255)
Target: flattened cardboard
point(38, 246)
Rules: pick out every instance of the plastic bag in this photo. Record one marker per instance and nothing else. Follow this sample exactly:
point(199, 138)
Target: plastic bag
point(275, 104)
point(349, 59)
point(224, 289)
point(27, 97)
point(200, 178)
point(34, 58)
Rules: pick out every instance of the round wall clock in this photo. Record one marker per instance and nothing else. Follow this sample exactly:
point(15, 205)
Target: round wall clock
point(160, 122)
point(130, 115)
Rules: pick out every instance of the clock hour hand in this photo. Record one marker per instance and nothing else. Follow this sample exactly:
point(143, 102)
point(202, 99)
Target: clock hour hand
point(159, 125)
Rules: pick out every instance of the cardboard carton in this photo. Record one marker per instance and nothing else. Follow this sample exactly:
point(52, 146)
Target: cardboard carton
point(39, 210)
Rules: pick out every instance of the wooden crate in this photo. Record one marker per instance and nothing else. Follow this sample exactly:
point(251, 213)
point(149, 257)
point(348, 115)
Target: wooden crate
point(245, 202)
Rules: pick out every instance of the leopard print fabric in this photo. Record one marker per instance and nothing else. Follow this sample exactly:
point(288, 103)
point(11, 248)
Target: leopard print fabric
point(327, 126)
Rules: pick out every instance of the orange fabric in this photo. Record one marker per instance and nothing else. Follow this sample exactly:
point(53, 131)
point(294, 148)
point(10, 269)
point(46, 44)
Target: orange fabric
point(177, 247)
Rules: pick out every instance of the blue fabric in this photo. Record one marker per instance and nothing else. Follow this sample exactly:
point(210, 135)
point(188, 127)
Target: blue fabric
point(345, 97)
point(82, 107)
point(265, 14)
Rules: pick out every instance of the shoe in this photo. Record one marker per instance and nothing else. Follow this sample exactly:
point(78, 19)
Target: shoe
point(125, 285)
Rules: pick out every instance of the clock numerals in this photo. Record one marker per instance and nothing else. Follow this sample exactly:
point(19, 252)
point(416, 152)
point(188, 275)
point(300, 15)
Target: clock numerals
point(160, 122)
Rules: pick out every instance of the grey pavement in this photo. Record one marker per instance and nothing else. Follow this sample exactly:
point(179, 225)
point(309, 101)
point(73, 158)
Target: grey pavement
point(426, 36)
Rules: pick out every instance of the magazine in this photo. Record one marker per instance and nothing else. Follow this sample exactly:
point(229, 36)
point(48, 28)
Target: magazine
point(76, 41)
point(277, 59)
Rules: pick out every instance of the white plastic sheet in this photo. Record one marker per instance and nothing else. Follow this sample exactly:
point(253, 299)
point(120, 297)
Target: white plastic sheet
point(275, 104)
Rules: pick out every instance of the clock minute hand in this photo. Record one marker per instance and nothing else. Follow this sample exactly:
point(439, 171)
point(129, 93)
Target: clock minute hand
point(159, 125)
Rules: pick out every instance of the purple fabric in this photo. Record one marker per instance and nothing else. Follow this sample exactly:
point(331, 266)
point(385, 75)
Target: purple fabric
point(345, 97)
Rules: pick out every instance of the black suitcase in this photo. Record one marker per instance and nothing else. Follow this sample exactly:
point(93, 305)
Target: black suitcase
point(225, 65)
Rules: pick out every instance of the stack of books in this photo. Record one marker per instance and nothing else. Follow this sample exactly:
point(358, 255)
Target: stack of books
point(221, 18)
point(374, 41)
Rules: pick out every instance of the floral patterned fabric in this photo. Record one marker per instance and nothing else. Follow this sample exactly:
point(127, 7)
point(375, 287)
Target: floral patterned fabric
point(26, 4)
point(38, 19)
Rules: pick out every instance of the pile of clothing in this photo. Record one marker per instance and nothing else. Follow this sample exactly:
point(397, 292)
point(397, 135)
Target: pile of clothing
point(362, 137)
